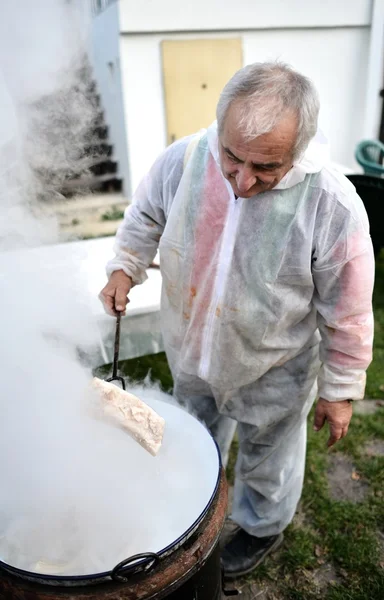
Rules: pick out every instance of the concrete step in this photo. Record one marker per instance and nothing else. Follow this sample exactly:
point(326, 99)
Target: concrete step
point(88, 216)
point(104, 167)
point(100, 133)
point(100, 150)
point(107, 182)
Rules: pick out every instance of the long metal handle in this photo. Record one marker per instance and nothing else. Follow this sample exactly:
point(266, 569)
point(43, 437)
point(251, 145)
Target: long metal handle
point(117, 346)
point(115, 376)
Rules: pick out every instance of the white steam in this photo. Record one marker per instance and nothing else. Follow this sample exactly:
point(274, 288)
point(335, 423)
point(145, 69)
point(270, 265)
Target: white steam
point(78, 495)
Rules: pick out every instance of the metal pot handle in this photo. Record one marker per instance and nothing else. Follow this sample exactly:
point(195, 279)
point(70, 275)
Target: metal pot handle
point(147, 561)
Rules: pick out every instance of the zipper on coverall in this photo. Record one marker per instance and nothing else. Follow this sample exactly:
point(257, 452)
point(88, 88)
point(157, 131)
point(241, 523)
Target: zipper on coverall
point(226, 251)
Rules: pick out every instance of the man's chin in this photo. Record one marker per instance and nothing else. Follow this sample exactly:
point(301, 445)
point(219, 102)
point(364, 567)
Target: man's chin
point(248, 194)
point(239, 194)
point(252, 192)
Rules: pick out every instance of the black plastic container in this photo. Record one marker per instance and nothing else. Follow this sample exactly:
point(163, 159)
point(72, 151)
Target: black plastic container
point(371, 191)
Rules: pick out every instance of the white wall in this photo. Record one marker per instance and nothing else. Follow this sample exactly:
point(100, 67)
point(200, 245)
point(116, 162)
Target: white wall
point(375, 75)
point(214, 15)
point(335, 58)
point(106, 62)
point(143, 102)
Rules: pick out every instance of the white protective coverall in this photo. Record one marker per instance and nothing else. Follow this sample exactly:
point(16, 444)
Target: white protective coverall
point(250, 288)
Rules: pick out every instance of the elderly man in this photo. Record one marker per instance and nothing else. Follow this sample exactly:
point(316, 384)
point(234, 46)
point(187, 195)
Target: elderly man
point(267, 270)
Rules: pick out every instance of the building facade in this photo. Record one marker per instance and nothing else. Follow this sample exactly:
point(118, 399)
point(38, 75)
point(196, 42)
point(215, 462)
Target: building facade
point(160, 66)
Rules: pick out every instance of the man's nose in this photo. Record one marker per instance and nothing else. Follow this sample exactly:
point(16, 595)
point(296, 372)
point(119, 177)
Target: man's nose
point(245, 179)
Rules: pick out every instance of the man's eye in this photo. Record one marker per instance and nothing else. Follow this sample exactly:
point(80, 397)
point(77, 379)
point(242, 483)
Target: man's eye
point(232, 158)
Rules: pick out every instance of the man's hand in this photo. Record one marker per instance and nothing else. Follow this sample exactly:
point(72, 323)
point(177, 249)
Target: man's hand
point(338, 415)
point(115, 294)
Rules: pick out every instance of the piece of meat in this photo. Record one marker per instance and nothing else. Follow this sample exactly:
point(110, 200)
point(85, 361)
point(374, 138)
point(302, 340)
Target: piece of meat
point(131, 413)
point(47, 568)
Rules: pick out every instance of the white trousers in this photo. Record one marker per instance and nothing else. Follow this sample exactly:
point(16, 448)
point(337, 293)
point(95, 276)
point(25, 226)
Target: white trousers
point(271, 419)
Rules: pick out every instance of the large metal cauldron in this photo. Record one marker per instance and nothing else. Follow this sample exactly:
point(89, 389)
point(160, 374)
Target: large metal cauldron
point(185, 567)
point(191, 571)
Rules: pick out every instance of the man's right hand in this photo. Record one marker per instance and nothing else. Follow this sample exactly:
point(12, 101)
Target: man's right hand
point(114, 295)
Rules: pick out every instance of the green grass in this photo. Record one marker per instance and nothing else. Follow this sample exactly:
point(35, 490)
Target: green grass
point(113, 214)
point(333, 534)
point(342, 535)
point(154, 367)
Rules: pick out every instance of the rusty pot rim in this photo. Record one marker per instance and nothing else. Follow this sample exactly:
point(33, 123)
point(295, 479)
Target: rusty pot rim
point(138, 567)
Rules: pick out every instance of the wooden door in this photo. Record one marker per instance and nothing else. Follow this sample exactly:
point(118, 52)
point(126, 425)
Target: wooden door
point(194, 73)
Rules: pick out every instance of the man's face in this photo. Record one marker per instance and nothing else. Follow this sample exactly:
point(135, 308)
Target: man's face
point(258, 165)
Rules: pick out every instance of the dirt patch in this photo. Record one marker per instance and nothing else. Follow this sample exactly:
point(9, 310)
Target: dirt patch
point(255, 591)
point(301, 520)
point(344, 482)
point(374, 448)
point(323, 577)
point(367, 406)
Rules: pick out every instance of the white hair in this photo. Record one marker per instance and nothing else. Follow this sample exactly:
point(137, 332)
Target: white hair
point(266, 93)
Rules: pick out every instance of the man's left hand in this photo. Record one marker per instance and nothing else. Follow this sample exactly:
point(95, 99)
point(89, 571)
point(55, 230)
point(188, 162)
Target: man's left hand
point(338, 415)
